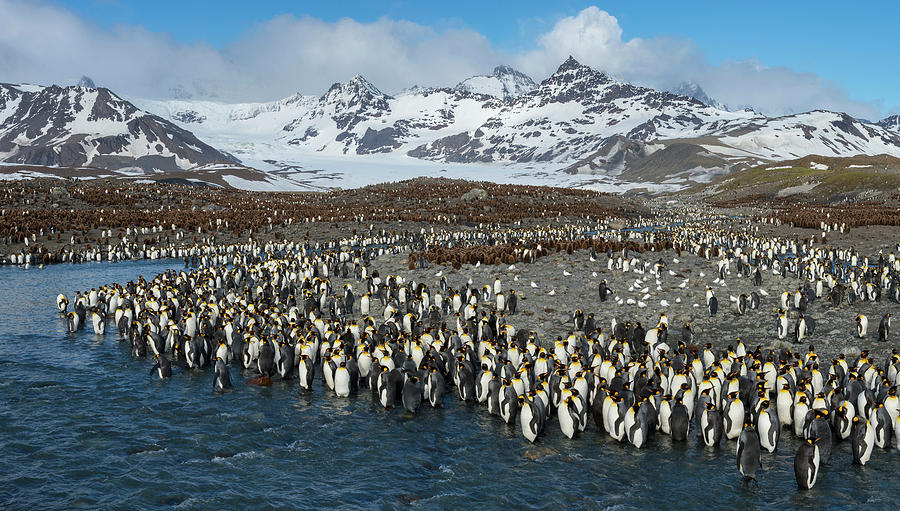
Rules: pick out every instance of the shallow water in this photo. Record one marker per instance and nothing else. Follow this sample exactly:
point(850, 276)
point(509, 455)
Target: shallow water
point(83, 425)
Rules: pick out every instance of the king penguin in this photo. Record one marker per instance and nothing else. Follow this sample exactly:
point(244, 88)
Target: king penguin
point(221, 378)
point(411, 395)
point(806, 464)
point(163, 367)
point(862, 440)
point(530, 418)
point(748, 453)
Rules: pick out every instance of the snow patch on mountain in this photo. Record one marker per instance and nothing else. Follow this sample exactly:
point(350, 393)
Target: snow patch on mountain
point(82, 126)
point(503, 83)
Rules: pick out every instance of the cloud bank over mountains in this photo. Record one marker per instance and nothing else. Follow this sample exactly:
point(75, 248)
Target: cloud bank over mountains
point(45, 43)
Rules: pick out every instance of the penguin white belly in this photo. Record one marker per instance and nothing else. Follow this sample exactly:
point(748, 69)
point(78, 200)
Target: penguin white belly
point(665, 412)
point(869, 437)
point(608, 416)
point(736, 423)
point(342, 382)
point(302, 374)
point(813, 473)
point(526, 418)
point(799, 419)
point(566, 423)
point(783, 407)
point(767, 438)
point(897, 432)
point(328, 375)
point(636, 436)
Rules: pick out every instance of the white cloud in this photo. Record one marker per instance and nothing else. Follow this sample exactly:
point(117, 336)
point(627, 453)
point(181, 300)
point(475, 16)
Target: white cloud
point(594, 37)
point(43, 43)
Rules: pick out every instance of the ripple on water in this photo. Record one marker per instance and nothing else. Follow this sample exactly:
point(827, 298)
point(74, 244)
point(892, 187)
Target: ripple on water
point(83, 425)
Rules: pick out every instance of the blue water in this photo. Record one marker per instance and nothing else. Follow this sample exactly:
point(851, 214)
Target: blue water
point(82, 425)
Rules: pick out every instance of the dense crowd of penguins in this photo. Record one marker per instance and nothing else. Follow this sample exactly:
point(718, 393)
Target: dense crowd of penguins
point(275, 311)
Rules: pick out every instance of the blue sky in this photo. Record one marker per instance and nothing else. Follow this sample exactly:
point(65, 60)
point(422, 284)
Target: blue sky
point(851, 53)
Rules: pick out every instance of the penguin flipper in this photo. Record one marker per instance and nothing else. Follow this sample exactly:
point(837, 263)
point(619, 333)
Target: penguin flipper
point(154, 368)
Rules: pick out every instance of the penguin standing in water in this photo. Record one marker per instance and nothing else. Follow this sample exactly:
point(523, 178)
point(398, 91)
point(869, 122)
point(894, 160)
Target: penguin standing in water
point(880, 420)
point(568, 417)
point(306, 371)
point(73, 322)
point(342, 380)
point(636, 427)
point(266, 361)
point(385, 387)
point(768, 427)
point(531, 419)
point(99, 321)
point(862, 440)
point(820, 429)
point(711, 425)
point(221, 378)
point(734, 416)
point(884, 327)
point(748, 453)
point(897, 432)
point(679, 422)
point(163, 367)
point(806, 464)
point(411, 395)
point(62, 303)
point(437, 388)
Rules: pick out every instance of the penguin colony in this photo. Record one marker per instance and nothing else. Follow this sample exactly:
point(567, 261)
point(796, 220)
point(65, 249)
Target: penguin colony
point(46, 221)
point(273, 311)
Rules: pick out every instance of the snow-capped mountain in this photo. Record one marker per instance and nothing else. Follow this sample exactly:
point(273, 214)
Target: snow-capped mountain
point(504, 83)
point(82, 126)
point(572, 114)
point(693, 90)
point(891, 123)
point(499, 126)
point(352, 118)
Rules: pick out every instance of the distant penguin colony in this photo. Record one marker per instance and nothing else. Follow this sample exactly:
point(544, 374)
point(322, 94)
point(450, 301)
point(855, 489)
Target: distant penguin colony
point(275, 310)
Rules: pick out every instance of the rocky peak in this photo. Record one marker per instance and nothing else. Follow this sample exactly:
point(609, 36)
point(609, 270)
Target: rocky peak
point(891, 123)
point(503, 83)
point(693, 90)
point(87, 82)
point(572, 72)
